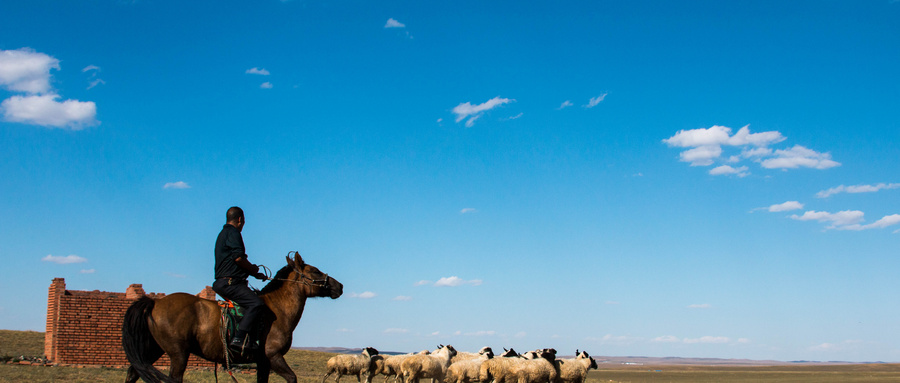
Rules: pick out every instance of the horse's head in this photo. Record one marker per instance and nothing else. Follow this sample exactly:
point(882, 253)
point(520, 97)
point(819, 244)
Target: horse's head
point(318, 284)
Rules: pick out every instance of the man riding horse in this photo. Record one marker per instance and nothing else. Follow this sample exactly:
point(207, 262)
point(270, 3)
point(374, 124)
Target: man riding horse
point(232, 269)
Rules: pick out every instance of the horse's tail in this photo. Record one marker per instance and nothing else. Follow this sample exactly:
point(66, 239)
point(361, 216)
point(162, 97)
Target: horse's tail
point(139, 344)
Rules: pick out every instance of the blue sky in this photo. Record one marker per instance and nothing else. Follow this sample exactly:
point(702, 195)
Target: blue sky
point(696, 179)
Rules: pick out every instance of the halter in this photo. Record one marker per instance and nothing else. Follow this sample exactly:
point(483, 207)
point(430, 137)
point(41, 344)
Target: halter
point(302, 278)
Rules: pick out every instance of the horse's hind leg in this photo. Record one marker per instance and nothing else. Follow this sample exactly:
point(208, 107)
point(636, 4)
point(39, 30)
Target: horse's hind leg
point(280, 366)
point(177, 366)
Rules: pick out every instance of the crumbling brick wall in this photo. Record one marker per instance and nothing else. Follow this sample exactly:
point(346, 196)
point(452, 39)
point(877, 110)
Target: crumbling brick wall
point(85, 327)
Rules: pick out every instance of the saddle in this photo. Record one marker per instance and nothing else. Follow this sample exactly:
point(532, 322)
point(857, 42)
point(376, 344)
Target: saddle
point(232, 313)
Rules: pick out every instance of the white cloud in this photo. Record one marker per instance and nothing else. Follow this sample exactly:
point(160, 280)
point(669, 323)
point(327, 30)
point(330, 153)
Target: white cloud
point(396, 331)
point(176, 185)
point(565, 104)
point(455, 281)
point(468, 210)
point(786, 206)
point(707, 339)
point(93, 77)
point(728, 170)
point(88, 271)
point(259, 71)
point(856, 189)
point(391, 23)
point(666, 339)
point(702, 155)
point(64, 260)
point(24, 70)
point(96, 82)
point(364, 295)
point(706, 148)
point(516, 117)
point(266, 85)
point(422, 283)
point(799, 156)
point(841, 218)
point(481, 333)
point(595, 100)
point(402, 298)
point(885, 221)
point(466, 109)
point(45, 110)
point(700, 306)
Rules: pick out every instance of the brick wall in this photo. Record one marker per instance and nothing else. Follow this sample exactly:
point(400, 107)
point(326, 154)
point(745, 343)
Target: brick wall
point(85, 327)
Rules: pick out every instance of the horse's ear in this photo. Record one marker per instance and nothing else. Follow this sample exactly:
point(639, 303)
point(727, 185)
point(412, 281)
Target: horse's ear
point(298, 259)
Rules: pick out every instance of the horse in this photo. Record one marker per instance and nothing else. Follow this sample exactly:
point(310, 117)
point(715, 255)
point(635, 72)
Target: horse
point(181, 324)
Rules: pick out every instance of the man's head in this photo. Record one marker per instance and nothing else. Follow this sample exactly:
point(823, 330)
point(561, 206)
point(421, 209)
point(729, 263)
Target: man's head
point(235, 217)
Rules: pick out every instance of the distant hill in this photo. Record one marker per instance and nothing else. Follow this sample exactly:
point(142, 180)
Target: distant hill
point(344, 350)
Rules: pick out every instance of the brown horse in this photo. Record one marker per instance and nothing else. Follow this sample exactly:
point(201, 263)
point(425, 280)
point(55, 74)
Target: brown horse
point(182, 324)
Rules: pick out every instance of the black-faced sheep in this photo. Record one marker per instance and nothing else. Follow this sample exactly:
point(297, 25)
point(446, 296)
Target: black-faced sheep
point(496, 369)
point(575, 370)
point(543, 369)
point(432, 366)
point(352, 365)
point(466, 368)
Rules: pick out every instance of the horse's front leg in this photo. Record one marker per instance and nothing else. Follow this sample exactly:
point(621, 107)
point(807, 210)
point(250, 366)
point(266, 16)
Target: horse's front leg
point(280, 366)
point(263, 366)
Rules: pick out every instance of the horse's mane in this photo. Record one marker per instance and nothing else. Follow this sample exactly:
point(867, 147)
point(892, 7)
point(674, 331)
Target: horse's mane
point(277, 280)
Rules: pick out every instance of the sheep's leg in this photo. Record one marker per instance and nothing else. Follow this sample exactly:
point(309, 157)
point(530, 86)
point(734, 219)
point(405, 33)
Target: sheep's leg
point(326, 376)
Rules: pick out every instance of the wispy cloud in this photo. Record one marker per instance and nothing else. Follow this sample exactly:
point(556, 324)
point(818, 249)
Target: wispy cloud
point(565, 104)
point(473, 112)
point(856, 189)
point(363, 295)
point(728, 170)
point(700, 306)
point(786, 206)
point(395, 331)
point(594, 101)
point(259, 71)
point(402, 298)
point(799, 157)
point(266, 85)
point(456, 281)
point(94, 78)
point(392, 23)
point(88, 271)
point(60, 260)
point(176, 185)
point(468, 210)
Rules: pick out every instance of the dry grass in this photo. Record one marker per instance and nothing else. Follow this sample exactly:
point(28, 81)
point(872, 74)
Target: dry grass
point(310, 367)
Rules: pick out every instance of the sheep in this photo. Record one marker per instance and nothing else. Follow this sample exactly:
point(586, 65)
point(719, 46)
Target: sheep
point(468, 355)
point(496, 369)
point(390, 365)
point(543, 369)
point(466, 368)
point(352, 365)
point(575, 370)
point(432, 366)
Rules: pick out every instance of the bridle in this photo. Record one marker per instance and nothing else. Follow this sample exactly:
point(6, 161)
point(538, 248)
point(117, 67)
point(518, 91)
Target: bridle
point(302, 278)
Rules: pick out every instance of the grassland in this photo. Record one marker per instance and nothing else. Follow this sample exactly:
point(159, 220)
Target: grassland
point(309, 366)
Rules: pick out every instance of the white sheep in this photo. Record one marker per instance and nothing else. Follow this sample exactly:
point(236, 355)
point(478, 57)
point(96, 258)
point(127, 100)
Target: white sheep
point(472, 355)
point(466, 368)
point(496, 369)
point(352, 365)
point(432, 366)
point(390, 365)
point(543, 369)
point(575, 370)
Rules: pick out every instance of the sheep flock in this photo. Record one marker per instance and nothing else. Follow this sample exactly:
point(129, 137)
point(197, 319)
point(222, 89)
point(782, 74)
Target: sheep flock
point(446, 365)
